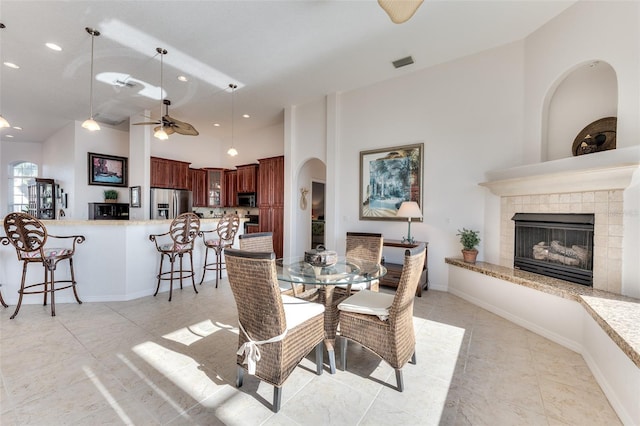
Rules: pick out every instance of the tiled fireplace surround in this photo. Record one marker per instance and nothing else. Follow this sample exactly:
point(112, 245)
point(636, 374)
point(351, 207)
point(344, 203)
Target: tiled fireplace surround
point(574, 185)
point(607, 205)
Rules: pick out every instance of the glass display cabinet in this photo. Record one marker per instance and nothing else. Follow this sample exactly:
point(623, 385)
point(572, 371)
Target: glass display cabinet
point(42, 198)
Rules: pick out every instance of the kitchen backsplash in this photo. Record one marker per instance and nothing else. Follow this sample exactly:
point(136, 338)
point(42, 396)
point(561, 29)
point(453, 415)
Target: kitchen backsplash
point(209, 212)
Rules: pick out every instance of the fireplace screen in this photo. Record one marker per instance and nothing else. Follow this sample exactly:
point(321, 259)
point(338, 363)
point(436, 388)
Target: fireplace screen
point(555, 245)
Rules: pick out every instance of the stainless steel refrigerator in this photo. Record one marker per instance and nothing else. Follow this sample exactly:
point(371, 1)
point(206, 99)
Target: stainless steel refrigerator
point(169, 203)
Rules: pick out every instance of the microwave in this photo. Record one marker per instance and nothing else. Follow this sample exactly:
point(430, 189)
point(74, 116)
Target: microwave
point(247, 199)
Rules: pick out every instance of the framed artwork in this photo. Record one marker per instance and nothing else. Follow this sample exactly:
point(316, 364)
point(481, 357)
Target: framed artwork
point(388, 177)
point(134, 196)
point(107, 170)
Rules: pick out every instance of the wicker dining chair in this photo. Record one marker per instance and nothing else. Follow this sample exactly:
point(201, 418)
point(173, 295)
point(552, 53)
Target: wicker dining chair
point(383, 323)
point(366, 246)
point(257, 242)
point(263, 242)
point(29, 236)
point(174, 244)
point(225, 236)
point(276, 331)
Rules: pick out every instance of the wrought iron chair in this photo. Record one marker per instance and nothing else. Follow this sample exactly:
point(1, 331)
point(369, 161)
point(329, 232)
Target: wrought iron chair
point(2, 301)
point(276, 331)
point(174, 244)
point(383, 323)
point(225, 236)
point(29, 236)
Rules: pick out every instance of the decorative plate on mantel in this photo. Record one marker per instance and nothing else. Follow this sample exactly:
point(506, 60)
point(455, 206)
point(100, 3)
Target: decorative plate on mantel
point(597, 136)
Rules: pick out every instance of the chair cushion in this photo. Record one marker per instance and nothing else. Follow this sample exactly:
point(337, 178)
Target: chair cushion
point(369, 303)
point(297, 311)
point(48, 253)
point(359, 286)
point(169, 247)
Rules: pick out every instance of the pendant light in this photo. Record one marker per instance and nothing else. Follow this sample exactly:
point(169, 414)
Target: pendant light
point(232, 151)
point(91, 124)
point(3, 121)
point(160, 133)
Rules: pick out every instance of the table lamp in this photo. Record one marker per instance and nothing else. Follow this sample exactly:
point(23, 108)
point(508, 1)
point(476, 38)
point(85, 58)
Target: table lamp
point(409, 209)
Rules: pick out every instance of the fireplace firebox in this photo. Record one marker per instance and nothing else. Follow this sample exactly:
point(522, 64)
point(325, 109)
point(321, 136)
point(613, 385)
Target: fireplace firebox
point(555, 245)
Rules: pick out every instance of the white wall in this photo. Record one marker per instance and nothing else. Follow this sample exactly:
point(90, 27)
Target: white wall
point(463, 113)
point(566, 41)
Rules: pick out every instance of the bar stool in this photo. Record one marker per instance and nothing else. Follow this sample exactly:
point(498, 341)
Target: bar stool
point(2, 300)
point(226, 234)
point(174, 244)
point(29, 237)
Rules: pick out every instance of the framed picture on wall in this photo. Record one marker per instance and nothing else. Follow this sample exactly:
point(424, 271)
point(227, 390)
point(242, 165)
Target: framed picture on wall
point(107, 170)
point(388, 177)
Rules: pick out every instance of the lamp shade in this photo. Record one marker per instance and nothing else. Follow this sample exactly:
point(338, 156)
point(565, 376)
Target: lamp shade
point(400, 10)
point(161, 134)
point(409, 209)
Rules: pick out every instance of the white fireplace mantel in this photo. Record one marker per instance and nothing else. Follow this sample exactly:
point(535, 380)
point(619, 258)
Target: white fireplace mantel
point(609, 170)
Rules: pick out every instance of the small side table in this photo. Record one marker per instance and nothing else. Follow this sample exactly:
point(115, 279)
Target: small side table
point(394, 270)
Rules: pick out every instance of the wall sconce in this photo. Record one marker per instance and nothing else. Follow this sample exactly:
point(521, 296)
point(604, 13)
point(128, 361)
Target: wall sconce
point(303, 198)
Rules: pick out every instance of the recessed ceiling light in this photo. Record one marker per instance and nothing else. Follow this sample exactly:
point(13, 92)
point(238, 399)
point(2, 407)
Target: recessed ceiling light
point(182, 78)
point(245, 116)
point(12, 65)
point(17, 127)
point(9, 136)
point(53, 46)
point(216, 124)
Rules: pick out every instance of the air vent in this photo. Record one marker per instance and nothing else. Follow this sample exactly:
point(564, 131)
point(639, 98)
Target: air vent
point(403, 62)
point(121, 83)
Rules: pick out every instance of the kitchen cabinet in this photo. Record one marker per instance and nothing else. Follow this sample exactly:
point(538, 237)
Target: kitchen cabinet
point(198, 187)
point(230, 188)
point(42, 198)
point(108, 211)
point(271, 199)
point(167, 173)
point(215, 187)
point(247, 177)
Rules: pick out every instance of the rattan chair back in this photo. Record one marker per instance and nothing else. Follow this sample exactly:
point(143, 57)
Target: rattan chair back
point(365, 246)
point(257, 242)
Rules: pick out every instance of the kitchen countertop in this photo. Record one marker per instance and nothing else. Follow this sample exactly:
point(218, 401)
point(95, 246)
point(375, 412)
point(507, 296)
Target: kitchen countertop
point(618, 315)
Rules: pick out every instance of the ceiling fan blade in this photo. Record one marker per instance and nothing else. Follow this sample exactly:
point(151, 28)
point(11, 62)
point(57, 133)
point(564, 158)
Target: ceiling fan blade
point(181, 127)
point(146, 122)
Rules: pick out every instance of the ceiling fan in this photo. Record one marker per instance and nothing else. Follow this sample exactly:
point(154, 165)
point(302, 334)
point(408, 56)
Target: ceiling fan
point(171, 125)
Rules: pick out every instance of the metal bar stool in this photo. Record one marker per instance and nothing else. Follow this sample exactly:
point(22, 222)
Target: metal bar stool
point(174, 244)
point(29, 237)
point(226, 234)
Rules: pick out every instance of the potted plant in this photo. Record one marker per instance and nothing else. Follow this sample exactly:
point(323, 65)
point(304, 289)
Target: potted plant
point(469, 240)
point(110, 196)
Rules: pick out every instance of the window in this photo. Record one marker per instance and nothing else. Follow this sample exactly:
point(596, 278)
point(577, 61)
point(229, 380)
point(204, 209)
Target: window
point(20, 177)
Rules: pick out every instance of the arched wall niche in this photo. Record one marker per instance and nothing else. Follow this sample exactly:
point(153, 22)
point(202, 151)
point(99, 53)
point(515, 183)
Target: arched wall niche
point(579, 97)
point(310, 170)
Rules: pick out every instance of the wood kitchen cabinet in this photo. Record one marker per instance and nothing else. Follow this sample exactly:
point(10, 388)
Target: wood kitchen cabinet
point(271, 199)
point(167, 173)
point(230, 188)
point(198, 186)
point(215, 187)
point(247, 178)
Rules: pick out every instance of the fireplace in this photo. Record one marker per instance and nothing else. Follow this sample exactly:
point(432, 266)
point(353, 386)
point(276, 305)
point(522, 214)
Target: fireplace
point(556, 245)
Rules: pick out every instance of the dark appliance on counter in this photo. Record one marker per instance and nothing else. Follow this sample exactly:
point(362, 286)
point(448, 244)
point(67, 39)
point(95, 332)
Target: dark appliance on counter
point(252, 221)
point(169, 203)
point(246, 199)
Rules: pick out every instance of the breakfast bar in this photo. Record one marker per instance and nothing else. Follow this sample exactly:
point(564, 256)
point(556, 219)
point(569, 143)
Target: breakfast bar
point(117, 261)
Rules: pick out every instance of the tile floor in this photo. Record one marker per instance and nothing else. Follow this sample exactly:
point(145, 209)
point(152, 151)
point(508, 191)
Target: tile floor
point(151, 362)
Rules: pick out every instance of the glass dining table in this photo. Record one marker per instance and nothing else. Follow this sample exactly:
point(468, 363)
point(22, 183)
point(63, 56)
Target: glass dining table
point(320, 286)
